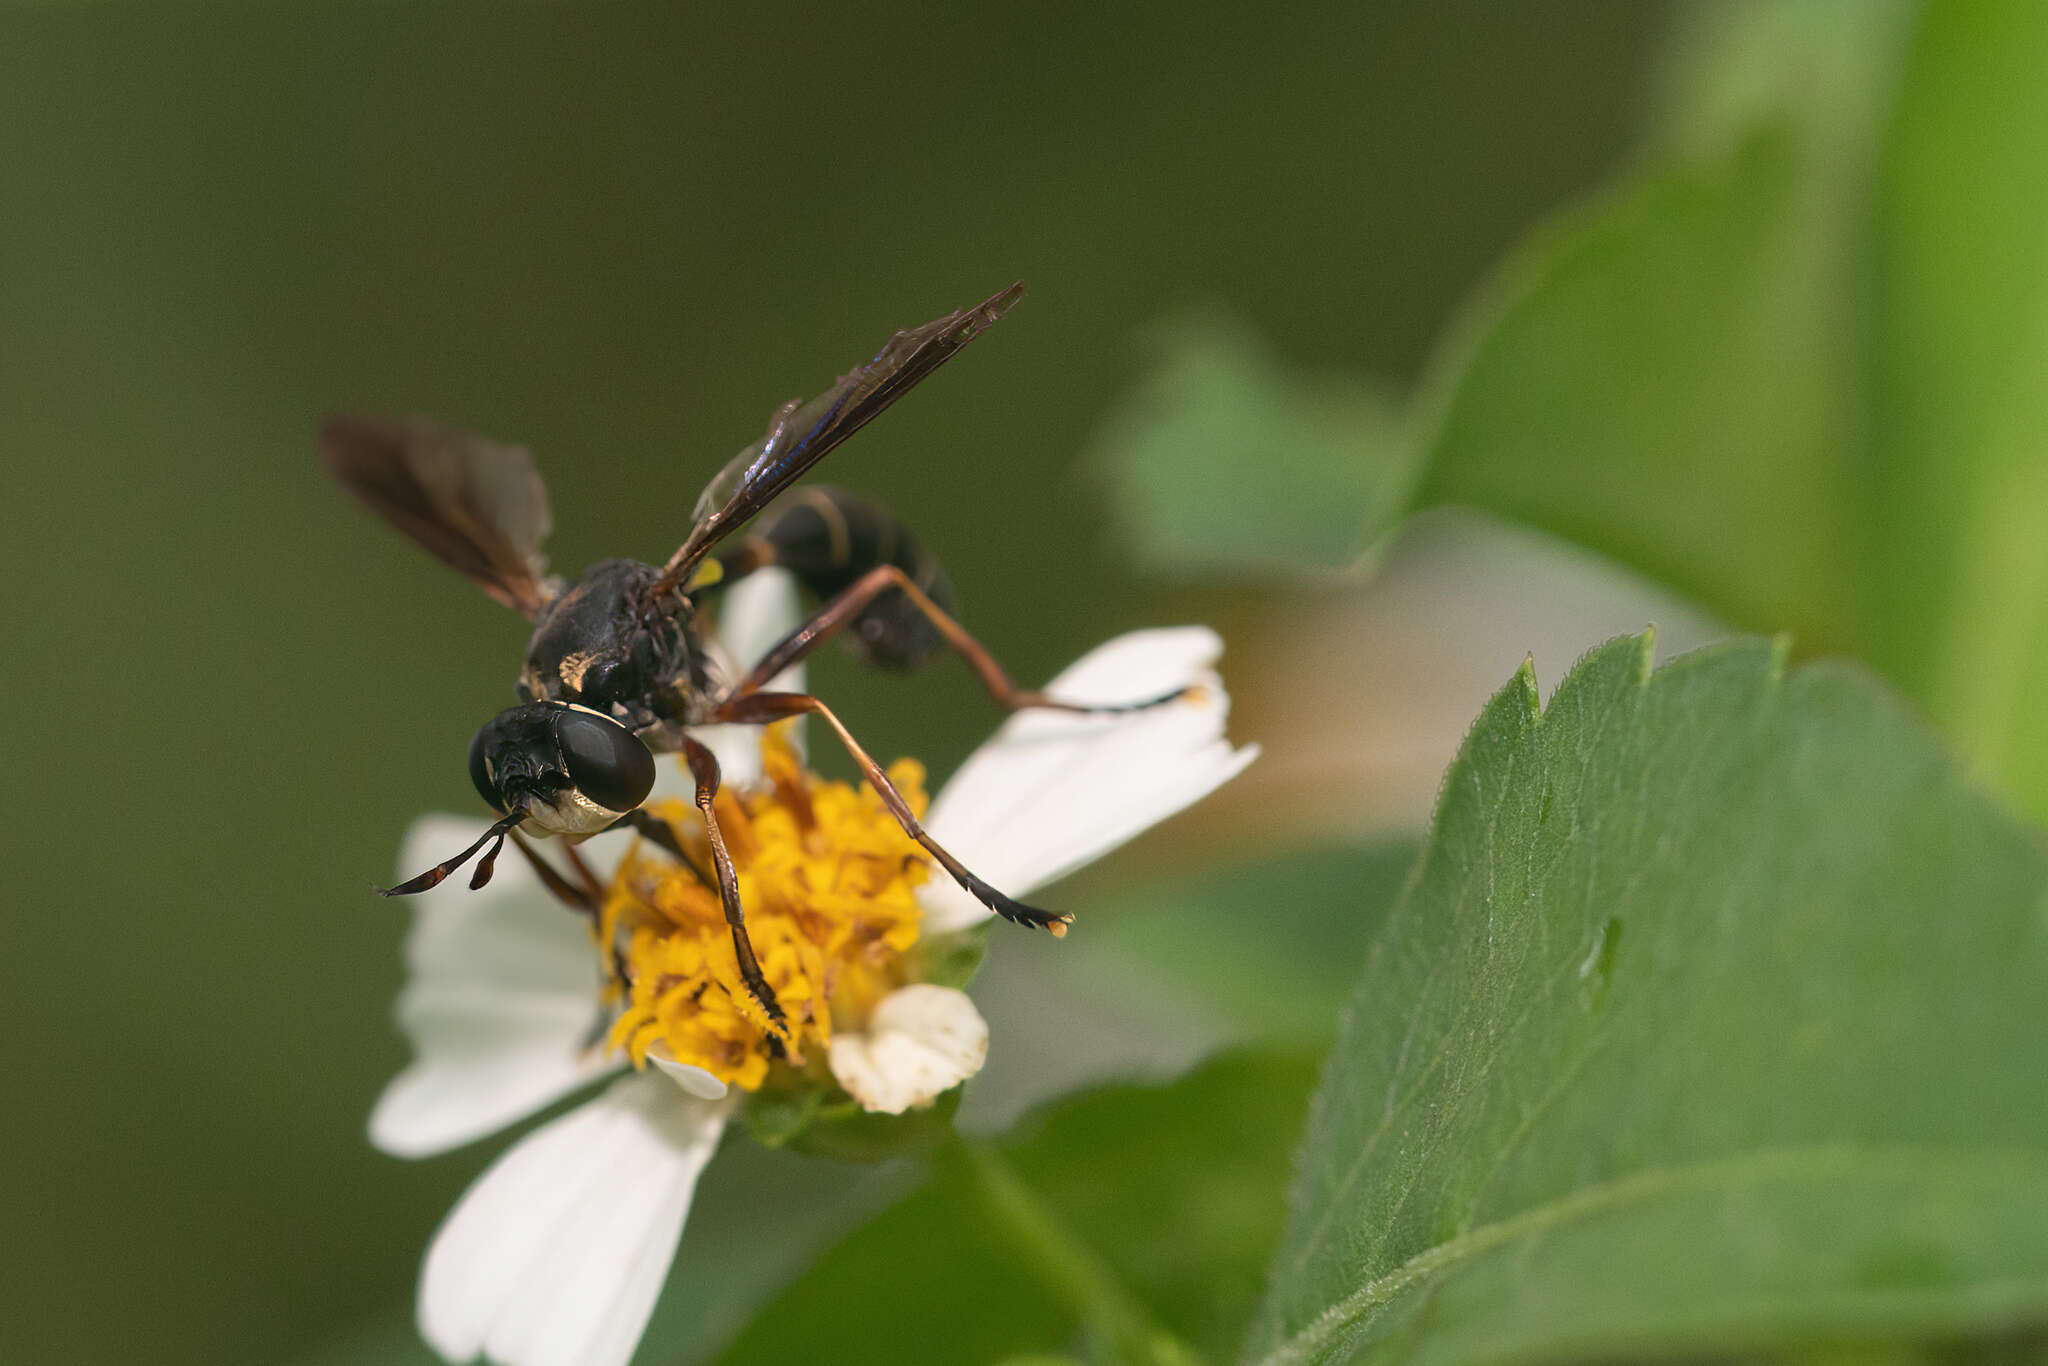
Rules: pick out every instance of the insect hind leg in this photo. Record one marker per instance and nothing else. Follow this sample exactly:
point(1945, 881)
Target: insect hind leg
point(836, 614)
point(763, 707)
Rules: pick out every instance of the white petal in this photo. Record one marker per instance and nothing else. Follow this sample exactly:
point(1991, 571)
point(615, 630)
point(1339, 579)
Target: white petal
point(1052, 791)
point(922, 1041)
point(499, 1003)
point(555, 1255)
point(739, 757)
point(694, 1080)
point(757, 612)
point(671, 779)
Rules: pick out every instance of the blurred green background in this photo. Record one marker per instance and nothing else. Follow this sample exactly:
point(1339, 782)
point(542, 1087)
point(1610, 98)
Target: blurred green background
point(620, 235)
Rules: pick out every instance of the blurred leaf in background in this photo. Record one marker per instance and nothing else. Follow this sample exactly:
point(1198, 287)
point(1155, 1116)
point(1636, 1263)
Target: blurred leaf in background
point(1668, 372)
point(1224, 462)
point(1361, 690)
point(1790, 363)
point(1959, 470)
point(1706, 1027)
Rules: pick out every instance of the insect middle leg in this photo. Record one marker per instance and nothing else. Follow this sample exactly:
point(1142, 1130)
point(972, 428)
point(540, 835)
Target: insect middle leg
point(763, 707)
point(834, 616)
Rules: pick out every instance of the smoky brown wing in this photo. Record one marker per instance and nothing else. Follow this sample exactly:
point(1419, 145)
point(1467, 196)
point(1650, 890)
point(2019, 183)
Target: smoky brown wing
point(479, 506)
point(804, 435)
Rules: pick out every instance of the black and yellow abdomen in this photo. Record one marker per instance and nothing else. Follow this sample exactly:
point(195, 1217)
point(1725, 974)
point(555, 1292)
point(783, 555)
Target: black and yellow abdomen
point(828, 537)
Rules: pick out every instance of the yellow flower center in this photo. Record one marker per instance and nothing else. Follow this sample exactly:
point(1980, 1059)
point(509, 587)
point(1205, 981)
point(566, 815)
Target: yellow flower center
point(828, 881)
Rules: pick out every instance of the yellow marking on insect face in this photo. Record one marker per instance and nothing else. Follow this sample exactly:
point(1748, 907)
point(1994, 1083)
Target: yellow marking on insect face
point(708, 573)
point(829, 884)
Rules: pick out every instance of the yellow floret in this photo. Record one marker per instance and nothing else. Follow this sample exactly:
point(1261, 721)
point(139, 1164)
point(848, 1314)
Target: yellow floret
point(828, 881)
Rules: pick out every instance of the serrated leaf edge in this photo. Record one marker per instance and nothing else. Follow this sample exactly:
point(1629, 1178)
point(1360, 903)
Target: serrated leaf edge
point(1517, 709)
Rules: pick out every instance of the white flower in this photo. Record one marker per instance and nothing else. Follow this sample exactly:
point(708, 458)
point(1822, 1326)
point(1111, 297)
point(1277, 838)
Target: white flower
point(921, 1042)
point(555, 1255)
point(1052, 791)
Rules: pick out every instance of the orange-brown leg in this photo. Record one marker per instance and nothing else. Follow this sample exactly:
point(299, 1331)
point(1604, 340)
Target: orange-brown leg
point(834, 615)
point(585, 900)
point(762, 708)
point(704, 770)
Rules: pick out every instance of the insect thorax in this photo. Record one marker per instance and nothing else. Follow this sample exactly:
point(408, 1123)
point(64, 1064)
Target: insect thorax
point(601, 643)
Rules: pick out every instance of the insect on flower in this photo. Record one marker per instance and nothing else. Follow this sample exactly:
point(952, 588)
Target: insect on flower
point(556, 1253)
point(617, 668)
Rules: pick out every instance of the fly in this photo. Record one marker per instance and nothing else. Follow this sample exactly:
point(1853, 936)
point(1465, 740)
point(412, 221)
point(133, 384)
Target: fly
point(617, 669)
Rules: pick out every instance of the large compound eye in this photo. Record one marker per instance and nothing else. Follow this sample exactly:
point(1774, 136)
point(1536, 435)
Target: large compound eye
point(479, 771)
point(606, 761)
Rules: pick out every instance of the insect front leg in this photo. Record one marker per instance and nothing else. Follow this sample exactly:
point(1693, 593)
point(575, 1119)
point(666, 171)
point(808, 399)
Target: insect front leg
point(586, 900)
point(704, 771)
point(763, 707)
point(834, 616)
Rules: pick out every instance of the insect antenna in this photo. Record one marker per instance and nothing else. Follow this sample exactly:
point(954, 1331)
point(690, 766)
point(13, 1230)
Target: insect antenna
point(435, 875)
point(486, 865)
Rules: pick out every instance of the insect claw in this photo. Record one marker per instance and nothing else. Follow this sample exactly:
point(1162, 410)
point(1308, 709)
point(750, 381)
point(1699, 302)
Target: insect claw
point(1014, 911)
point(1190, 692)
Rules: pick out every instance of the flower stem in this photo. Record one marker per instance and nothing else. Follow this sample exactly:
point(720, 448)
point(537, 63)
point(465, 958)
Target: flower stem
point(1117, 1326)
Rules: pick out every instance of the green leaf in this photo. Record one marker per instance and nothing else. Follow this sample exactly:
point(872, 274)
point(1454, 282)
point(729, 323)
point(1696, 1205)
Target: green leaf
point(1225, 460)
point(1171, 1197)
point(1791, 365)
point(1710, 1024)
point(1670, 373)
point(1664, 379)
point(1961, 430)
point(1824, 66)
